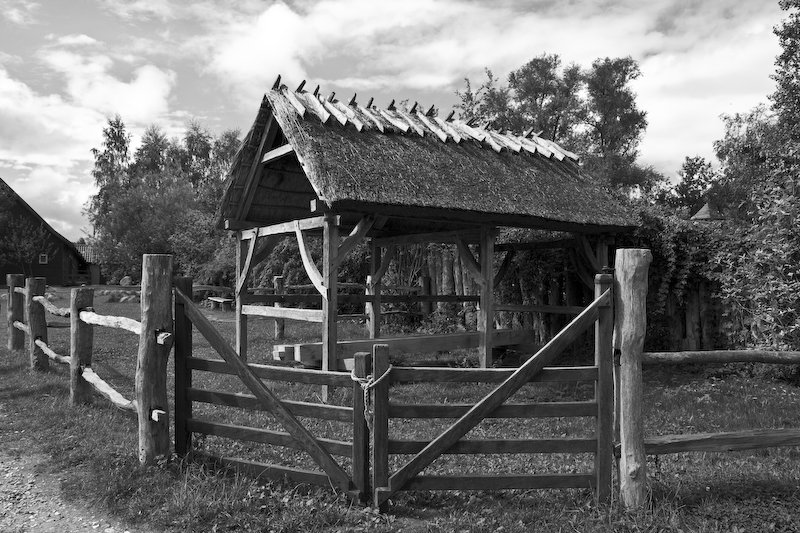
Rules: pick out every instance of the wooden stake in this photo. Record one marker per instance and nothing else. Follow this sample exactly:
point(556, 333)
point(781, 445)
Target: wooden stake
point(15, 311)
point(183, 374)
point(380, 425)
point(37, 323)
point(631, 267)
point(604, 392)
point(330, 274)
point(151, 367)
point(360, 429)
point(81, 342)
point(241, 319)
point(280, 324)
point(373, 308)
point(486, 312)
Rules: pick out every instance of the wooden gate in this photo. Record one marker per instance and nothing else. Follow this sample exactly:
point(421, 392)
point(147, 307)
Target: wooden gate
point(407, 477)
point(296, 436)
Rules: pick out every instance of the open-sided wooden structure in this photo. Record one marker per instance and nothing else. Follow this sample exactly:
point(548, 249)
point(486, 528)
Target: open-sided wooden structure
point(314, 165)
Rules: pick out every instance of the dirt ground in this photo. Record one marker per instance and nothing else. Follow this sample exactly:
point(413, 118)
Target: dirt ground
point(30, 501)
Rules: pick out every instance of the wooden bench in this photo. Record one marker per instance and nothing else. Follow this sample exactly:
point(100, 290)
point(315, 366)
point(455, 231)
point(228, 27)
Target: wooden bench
point(220, 301)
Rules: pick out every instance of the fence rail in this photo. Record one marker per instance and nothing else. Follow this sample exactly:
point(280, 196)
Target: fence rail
point(27, 307)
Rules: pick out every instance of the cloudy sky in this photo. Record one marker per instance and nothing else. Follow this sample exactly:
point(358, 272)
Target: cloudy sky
point(67, 65)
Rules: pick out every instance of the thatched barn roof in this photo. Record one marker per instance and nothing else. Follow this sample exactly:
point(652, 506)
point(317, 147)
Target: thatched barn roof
point(425, 173)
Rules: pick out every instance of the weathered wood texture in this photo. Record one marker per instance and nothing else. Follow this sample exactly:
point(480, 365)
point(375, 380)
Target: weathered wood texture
point(100, 385)
point(151, 366)
point(489, 403)
point(50, 308)
point(338, 477)
point(494, 482)
point(303, 315)
point(360, 456)
point(37, 323)
point(722, 442)
point(380, 426)
point(81, 343)
point(15, 311)
point(64, 360)
point(526, 410)
point(330, 280)
point(298, 375)
point(280, 325)
point(721, 356)
point(486, 310)
point(631, 269)
point(241, 282)
point(183, 374)
point(604, 390)
point(119, 322)
point(248, 401)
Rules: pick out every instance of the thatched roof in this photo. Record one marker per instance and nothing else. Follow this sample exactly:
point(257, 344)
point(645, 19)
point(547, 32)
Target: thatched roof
point(425, 173)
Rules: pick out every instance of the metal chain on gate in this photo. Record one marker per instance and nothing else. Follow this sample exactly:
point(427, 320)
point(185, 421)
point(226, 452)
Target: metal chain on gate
point(367, 384)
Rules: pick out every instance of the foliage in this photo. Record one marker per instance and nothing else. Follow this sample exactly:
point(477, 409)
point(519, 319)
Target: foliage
point(162, 200)
point(689, 194)
point(592, 112)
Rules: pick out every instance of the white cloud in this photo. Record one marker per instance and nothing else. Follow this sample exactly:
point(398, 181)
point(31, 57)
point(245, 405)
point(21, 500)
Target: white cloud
point(75, 39)
point(19, 12)
point(144, 99)
point(144, 9)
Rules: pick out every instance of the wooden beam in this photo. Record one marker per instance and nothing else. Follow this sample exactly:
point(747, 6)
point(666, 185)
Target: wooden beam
point(330, 275)
point(269, 244)
point(503, 270)
point(284, 227)
point(277, 153)
point(486, 309)
point(305, 315)
point(241, 277)
point(721, 356)
point(471, 236)
point(267, 138)
point(352, 240)
point(308, 261)
point(470, 263)
point(589, 254)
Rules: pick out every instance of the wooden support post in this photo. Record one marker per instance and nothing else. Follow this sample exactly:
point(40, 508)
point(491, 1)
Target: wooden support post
point(486, 313)
point(425, 290)
point(330, 274)
point(183, 374)
point(373, 308)
point(380, 425)
point(280, 324)
point(604, 391)
point(36, 319)
point(631, 267)
point(15, 311)
point(360, 428)
point(151, 368)
point(242, 248)
point(81, 343)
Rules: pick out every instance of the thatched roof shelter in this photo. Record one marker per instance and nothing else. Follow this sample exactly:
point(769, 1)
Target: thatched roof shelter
point(425, 173)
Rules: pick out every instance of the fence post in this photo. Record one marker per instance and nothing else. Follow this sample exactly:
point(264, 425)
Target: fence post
point(380, 424)
point(183, 374)
point(630, 303)
point(151, 368)
point(15, 313)
point(604, 392)
point(81, 340)
point(360, 429)
point(425, 290)
point(280, 324)
point(36, 320)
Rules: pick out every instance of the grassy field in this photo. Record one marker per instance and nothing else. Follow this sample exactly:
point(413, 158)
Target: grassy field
point(94, 450)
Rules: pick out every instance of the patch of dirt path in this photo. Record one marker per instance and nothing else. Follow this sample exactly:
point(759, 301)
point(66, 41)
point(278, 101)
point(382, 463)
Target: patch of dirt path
point(30, 501)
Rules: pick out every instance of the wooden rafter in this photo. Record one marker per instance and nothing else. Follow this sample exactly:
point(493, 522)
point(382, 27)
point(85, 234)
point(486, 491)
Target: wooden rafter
point(501, 273)
point(358, 233)
point(386, 260)
point(277, 153)
point(241, 280)
point(267, 138)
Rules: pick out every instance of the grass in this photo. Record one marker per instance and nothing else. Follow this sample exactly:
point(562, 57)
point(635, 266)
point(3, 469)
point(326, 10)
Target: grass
point(94, 450)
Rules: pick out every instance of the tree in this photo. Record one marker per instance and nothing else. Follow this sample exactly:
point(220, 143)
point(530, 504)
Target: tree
point(696, 175)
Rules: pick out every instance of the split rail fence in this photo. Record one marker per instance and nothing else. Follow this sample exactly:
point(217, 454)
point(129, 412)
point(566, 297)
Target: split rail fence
point(27, 326)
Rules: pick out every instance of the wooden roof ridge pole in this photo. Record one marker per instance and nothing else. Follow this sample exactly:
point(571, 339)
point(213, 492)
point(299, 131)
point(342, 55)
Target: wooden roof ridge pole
point(308, 261)
point(631, 266)
point(256, 168)
point(489, 403)
point(265, 396)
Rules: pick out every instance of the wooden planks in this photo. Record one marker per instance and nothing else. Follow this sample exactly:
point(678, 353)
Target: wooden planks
point(297, 375)
point(248, 401)
point(525, 410)
point(721, 356)
point(304, 315)
point(119, 322)
point(730, 441)
point(497, 482)
point(107, 390)
point(491, 446)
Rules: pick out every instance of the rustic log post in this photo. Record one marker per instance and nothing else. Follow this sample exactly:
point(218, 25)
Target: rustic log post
point(81, 343)
point(151, 368)
point(631, 267)
point(242, 248)
point(604, 392)
point(426, 307)
point(380, 423)
point(280, 324)
point(15, 311)
point(360, 429)
point(330, 302)
point(35, 318)
point(486, 312)
point(183, 374)
point(374, 289)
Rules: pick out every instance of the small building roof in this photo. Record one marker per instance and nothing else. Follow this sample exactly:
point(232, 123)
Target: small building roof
point(425, 173)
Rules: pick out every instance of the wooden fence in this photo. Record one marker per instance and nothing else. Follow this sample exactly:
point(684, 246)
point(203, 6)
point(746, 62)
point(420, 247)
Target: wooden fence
point(373, 429)
point(27, 325)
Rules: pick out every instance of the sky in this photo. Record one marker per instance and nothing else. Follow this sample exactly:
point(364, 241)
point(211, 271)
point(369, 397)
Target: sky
point(66, 66)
